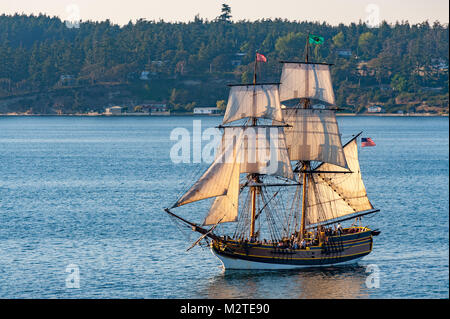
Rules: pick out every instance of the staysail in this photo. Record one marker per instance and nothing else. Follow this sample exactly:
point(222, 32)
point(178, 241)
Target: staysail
point(306, 80)
point(253, 101)
point(215, 181)
point(313, 135)
point(225, 208)
point(334, 195)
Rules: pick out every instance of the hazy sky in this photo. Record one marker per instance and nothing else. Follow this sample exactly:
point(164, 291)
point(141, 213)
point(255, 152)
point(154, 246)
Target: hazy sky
point(330, 11)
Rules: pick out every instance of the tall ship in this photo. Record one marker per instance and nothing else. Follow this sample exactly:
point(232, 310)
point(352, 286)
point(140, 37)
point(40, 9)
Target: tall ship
point(282, 181)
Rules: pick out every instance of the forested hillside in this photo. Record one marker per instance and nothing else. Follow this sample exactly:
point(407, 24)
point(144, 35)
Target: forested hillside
point(48, 67)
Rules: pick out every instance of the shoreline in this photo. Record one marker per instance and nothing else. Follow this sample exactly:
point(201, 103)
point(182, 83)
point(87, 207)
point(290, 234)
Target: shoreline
point(393, 114)
point(216, 115)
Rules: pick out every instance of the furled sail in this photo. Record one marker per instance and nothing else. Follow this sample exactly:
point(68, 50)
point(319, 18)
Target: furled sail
point(313, 135)
point(225, 208)
point(253, 100)
point(215, 181)
point(261, 150)
point(306, 80)
point(333, 195)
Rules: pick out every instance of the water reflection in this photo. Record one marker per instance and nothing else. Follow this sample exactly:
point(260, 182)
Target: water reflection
point(333, 282)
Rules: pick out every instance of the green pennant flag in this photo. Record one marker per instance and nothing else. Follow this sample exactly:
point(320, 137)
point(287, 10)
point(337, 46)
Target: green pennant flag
point(314, 39)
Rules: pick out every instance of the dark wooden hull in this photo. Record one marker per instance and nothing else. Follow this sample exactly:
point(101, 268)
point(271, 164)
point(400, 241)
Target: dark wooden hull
point(346, 248)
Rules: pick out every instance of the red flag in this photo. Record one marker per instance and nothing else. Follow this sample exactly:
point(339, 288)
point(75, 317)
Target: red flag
point(367, 141)
point(260, 58)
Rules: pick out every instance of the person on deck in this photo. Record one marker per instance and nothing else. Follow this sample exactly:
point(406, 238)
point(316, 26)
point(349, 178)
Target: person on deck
point(303, 244)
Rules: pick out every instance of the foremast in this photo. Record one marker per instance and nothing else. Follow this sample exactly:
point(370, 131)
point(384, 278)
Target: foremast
point(254, 177)
point(245, 148)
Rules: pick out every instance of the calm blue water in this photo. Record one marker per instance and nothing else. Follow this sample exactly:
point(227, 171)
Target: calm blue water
point(89, 191)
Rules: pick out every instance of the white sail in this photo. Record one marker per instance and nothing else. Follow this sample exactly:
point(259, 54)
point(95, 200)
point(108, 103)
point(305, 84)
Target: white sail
point(256, 150)
point(313, 135)
point(215, 181)
point(306, 80)
point(261, 150)
point(333, 195)
point(225, 208)
point(257, 101)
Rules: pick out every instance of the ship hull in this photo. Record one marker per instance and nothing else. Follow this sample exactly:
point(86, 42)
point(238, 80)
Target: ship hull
point(339, 250)
point(236, 263)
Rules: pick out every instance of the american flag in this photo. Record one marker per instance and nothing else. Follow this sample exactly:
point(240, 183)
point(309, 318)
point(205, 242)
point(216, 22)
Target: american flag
point(367, 141)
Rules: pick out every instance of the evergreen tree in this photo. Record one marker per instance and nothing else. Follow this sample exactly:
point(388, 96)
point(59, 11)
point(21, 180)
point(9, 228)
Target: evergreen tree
point(226, 13)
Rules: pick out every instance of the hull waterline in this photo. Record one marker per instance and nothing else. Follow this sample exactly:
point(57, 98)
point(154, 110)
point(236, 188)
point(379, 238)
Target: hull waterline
point(240, 264)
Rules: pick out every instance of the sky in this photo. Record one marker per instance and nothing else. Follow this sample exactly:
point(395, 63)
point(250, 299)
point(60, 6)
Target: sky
point(330, 11)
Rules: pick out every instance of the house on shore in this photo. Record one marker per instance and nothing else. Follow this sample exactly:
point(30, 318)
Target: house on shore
point(206, 110)
point(346, 53)
point(236, 59)
point(144, 76)
point(155, 108)
point(113, 110)
point(159, 110)
point(375, 109)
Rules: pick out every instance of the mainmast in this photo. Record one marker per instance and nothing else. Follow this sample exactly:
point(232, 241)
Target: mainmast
point(334, 188)
point(306, 164)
